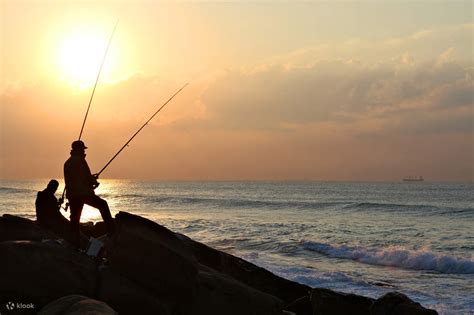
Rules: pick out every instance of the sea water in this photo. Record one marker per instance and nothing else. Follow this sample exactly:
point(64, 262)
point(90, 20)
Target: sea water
point(364, 238)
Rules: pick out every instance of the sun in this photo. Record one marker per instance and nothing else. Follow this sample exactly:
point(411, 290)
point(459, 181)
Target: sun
point(80, 55)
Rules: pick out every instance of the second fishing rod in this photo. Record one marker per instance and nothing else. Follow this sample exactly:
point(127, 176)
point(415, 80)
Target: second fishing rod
point(138, 131)
point(132, 137)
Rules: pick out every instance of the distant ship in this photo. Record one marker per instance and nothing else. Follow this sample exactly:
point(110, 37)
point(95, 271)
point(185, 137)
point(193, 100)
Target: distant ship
point(413, 179)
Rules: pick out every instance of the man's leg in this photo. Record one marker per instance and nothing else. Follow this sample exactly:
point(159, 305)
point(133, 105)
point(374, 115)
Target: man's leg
point(99, 203)
point(76, 206)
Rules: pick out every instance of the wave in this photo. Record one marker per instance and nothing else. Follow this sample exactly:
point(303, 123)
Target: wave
point(243, 203)
point(292, 204)
point(361, 206)
point(395, 257)
point(386, 206)
point(12, 190)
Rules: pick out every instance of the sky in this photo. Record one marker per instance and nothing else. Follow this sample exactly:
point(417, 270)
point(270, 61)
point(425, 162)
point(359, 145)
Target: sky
point(279, 90)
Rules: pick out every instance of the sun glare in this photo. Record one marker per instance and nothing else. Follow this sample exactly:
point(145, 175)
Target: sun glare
point(80, 55)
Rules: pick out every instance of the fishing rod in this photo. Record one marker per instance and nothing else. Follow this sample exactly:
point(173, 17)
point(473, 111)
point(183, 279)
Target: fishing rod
point(97, 81)
point(140, 129)
point(61, 200)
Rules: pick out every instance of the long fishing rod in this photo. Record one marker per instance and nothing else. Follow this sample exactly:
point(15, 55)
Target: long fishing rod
point(97, 80)
point(61, 200)
point(140, 129)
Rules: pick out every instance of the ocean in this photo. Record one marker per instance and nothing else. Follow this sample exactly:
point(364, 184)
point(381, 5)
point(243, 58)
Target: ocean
point(364, 238)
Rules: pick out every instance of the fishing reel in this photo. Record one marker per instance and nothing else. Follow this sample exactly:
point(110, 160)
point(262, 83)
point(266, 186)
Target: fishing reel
point(66, 206)
point(96, 183)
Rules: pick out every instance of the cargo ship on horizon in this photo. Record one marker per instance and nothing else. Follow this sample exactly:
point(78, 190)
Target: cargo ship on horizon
point(413, 179)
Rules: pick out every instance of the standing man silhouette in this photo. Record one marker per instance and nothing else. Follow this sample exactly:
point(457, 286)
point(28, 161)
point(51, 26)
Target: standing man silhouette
point(80, 185)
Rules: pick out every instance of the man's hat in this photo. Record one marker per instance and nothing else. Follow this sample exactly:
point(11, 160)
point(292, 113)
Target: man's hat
point(78, 145)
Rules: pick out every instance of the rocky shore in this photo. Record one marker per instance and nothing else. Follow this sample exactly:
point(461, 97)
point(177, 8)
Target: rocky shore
point(151, 270)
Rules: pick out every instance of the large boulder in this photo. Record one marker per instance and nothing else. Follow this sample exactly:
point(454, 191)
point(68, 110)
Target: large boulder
point(77, 305)
point(395, 303)
point(246, 272)
point(220, 294)
point(38, 273)
point(154, 258)
point(126, 297)
point(13, 228)
point(328, 302)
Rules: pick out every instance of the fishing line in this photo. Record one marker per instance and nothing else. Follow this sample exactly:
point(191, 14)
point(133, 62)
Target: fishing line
point(140, 129)
point(97, 81)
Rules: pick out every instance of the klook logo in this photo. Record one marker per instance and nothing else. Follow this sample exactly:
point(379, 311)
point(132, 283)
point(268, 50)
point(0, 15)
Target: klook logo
point(10, 306)
point(19, 305)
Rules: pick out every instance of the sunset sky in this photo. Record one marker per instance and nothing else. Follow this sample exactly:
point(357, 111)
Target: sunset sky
point(356, 90)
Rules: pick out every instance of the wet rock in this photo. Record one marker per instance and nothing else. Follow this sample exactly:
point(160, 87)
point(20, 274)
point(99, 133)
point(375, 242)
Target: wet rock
point(328, 302)
point(395, 303)
point(77, 305)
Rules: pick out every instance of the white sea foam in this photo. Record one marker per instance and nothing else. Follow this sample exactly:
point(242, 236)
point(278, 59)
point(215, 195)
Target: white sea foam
point(395, 256)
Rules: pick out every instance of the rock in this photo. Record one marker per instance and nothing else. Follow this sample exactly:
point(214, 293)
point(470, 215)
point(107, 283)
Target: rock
point(395, 303)
point(246, 272)
point(99, 229)
point(95, 230)
point(13, 228)
point(127, 297)
point(300, 306)
point(154, 232)
point(220, 294)
point(330, 302)
point(77, 305)
point(35, 272)
point(154, 258)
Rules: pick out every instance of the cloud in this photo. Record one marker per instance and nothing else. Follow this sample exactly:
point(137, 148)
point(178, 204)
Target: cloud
point(448, 42)
point(340, 92)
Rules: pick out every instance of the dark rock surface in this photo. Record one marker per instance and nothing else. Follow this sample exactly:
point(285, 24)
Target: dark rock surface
point(248, 273)
point(218, 293)
point(152, 270)
point(395, 303)
point(13, 228)
point(77, 305)
point(126, 296)
point(32, 271)
point(329, 302)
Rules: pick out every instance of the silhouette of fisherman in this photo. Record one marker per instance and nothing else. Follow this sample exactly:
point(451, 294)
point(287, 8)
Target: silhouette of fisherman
point(47, 209)
point(80, 185)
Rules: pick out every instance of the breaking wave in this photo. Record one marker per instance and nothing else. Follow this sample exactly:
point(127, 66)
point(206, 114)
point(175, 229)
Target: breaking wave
point(395, 257)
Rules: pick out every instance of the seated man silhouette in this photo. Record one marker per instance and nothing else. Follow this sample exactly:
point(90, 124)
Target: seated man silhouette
point(80, 185)
point(47, 210)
